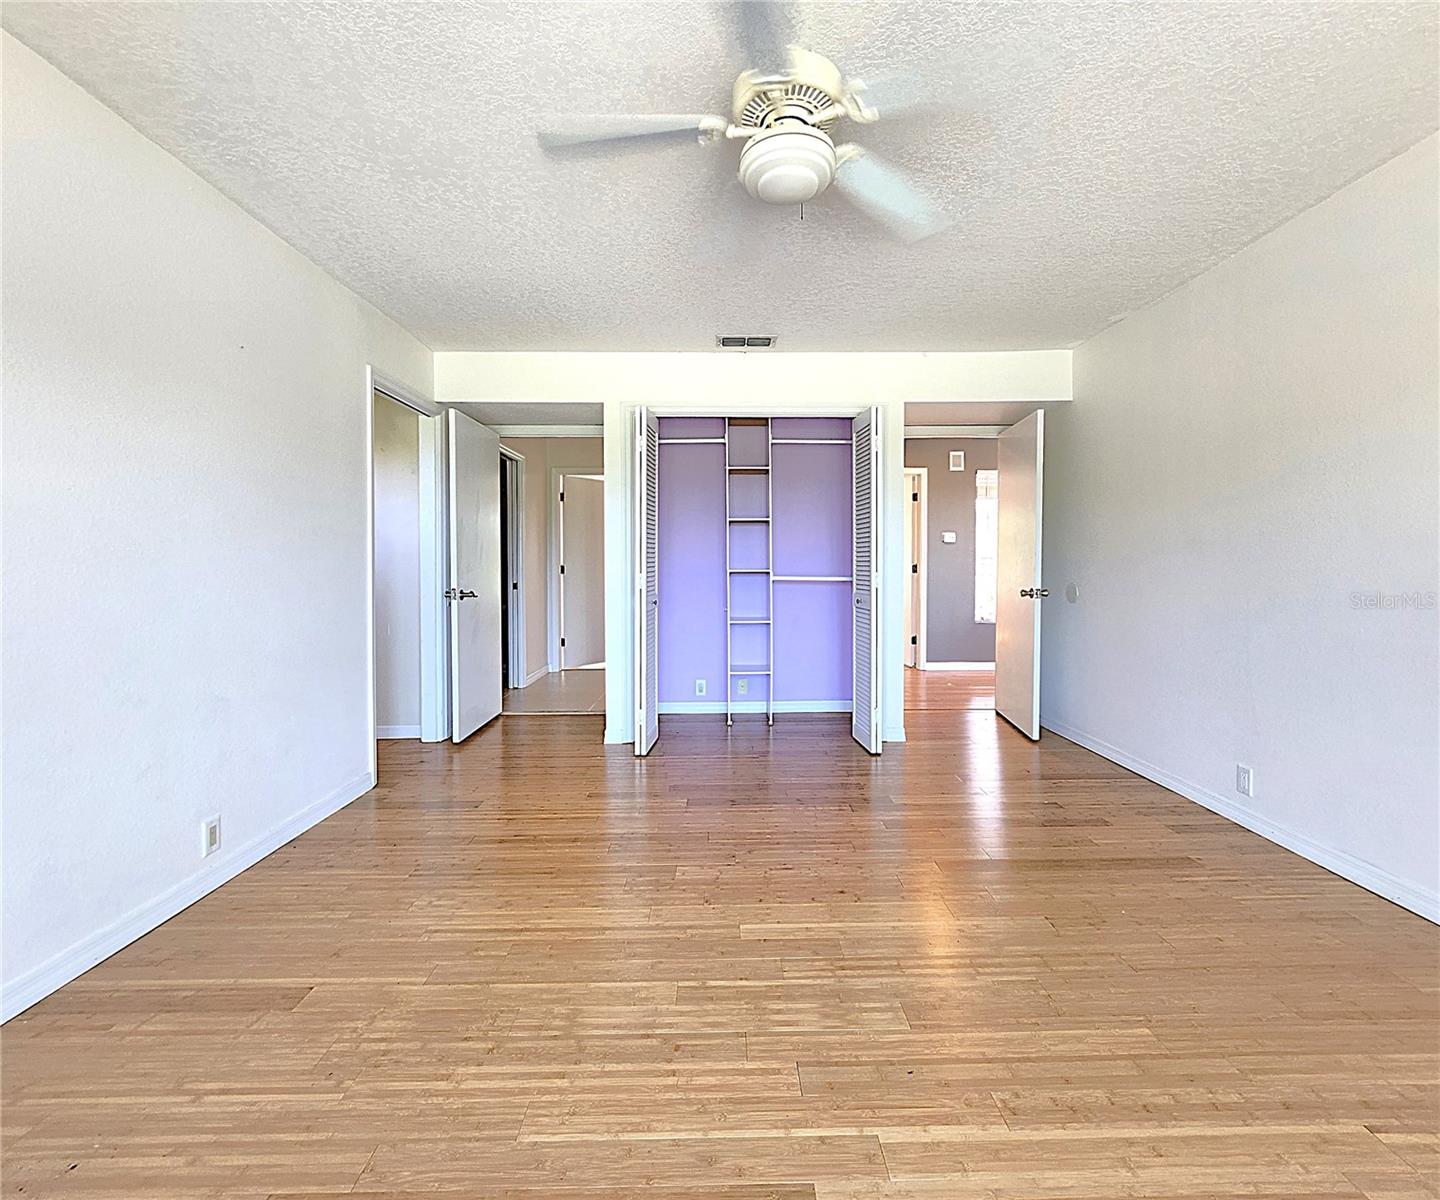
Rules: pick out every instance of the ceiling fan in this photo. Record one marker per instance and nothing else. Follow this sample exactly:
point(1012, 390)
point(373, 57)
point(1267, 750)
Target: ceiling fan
point(784, 109)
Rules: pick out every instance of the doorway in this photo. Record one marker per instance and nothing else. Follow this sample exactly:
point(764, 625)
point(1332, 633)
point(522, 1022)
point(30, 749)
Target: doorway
point(546, 678)
point(395, 499)
point(581, 574)
point(950, 555)
point(512, 582)
point(916, 562)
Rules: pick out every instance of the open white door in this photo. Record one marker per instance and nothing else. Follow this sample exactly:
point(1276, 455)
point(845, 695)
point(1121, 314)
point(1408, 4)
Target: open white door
point(474, 592)
point(647, 580)
point(865, 691)
point(1018, 593)
point(582, 571)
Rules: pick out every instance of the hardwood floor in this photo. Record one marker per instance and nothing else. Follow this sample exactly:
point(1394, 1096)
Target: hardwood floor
point(559, 692)
point(760, 964)
point(949, 691)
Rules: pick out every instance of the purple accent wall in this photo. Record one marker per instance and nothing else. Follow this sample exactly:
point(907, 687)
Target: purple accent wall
point(811, 531)
point(813, 510)
point(812, 625)
point(812, 427)
point(692, 569)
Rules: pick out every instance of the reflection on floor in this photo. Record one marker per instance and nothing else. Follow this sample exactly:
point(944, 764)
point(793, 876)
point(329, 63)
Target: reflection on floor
point(558, 692)
point(948, 691)
point(758, 964)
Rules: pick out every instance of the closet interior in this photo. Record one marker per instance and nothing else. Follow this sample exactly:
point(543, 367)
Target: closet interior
point(754, 550)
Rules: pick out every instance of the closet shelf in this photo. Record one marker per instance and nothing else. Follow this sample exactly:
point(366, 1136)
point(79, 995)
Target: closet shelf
point(749, 470)
point(811, 442)
point(748, 570)
point(755, 670)
point(814, 579)
point(715, 441)
point(749, 620)
point(748, 520)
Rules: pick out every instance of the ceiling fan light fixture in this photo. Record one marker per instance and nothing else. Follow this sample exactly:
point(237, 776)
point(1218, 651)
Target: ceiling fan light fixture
point(790, 163)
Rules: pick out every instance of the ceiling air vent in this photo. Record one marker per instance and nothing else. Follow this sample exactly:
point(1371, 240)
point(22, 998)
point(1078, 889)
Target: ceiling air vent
point(745, 343)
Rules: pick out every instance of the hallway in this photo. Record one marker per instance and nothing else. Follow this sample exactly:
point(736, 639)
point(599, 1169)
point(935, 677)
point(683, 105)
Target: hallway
point(760, 964)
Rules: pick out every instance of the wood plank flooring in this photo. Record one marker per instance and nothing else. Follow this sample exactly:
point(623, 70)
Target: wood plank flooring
point(760, 964)
point(560, 692)
point(949, 691)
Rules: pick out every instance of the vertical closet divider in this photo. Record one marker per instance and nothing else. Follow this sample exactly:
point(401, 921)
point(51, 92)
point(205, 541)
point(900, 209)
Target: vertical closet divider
point(740, 464)
point(729, 656)
point(770, 562)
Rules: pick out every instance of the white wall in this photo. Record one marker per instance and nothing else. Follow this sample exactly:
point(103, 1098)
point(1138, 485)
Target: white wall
point(775, 384)
point(186, 539)
point(397, 569)
point(1242, 460)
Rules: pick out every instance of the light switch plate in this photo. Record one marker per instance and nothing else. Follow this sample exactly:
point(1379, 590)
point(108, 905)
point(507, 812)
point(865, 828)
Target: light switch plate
point(699, 687)
point(948, 537)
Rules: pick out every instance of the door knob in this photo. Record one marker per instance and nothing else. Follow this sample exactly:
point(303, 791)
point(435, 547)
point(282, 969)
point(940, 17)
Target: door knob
point(1036, 593)
point(458, 594)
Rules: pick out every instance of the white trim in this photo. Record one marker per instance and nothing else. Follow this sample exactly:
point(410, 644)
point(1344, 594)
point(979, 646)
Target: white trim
point(380, 382)
point(673, 707)
point(549, 431)
point(1338, 862)
point(954, 431)
point(538, 673)
point(386, 732)
point(371, 713)
point(34, 985)
point(958, 666)
point(434, 567)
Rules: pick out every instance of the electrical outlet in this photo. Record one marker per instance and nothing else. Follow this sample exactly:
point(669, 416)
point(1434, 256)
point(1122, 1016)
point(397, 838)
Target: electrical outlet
point(699, 687)
point(1244, 780)
point(742, 687)
point(209, 837)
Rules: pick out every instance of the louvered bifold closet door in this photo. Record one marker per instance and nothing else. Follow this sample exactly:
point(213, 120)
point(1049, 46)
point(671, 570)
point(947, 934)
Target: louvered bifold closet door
point(865, 692)
point(647, 597)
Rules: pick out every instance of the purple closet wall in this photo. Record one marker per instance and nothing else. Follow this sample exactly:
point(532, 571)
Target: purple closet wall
point(812, 498)
point(692, 566)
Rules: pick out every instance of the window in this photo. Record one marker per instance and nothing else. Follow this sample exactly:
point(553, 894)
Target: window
point(987, 511)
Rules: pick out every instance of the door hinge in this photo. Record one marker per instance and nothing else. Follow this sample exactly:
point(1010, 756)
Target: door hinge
point(915, 495)
point(562, 568)
point(562, 497)
point(562, 643)
point(914, 568)
point(515, 587)
point(914, 639)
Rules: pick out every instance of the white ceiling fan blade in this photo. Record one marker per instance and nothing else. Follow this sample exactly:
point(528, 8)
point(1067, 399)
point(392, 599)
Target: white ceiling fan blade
point(906, 91)
point(883, 192)
point(765, 32)
point(583, 129)
point(954, 83)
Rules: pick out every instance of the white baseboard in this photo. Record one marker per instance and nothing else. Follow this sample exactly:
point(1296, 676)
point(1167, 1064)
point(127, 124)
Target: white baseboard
point(537, 673)
point(384, 732)
point(1366, 875)
point(957, 666)
point(34, 985)
point(682, 707)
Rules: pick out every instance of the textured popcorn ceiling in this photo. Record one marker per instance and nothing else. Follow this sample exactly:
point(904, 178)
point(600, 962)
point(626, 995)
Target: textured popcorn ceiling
point(1135, 146)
